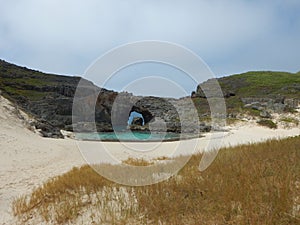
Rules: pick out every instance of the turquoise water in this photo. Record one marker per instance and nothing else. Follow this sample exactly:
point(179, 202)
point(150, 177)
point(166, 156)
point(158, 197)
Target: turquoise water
point(128, 136)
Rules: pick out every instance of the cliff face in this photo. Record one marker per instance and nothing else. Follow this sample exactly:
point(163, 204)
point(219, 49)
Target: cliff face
point(48, 97)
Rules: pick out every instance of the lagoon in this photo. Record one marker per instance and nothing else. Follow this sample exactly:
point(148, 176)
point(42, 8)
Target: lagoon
point(135, 136)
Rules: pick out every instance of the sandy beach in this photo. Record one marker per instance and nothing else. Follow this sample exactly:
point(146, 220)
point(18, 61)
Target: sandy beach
point(28, 160)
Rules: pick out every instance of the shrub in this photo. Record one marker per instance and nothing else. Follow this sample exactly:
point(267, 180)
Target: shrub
point(267, 123)
point(289, 120)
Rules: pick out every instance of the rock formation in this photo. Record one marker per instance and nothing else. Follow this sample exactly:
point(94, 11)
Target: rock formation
point(50, 100)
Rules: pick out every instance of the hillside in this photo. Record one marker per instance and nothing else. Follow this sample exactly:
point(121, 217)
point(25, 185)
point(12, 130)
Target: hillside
point(49, 99)
point(20, 83)
point(256, 92)
point(263, 84)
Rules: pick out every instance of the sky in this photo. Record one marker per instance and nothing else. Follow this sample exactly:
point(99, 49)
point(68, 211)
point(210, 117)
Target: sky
point(231, 36)
point(134, 115)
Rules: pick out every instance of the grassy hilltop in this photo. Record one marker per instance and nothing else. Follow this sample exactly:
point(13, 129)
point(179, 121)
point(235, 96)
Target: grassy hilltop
point(263, 84)
point(270, 91)
point(20, 82)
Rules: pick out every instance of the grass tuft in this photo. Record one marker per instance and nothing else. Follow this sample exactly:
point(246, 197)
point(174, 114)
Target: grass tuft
point(137, 162)
point(290, 120)
point(267, 123)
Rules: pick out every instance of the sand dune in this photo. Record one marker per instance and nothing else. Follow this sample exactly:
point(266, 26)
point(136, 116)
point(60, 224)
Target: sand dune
point(28, 160)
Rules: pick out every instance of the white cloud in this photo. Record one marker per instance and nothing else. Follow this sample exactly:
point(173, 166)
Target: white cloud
point(65, 36)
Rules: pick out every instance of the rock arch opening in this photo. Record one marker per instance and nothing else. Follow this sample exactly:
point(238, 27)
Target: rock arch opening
point(136, 119)
point(145, 113)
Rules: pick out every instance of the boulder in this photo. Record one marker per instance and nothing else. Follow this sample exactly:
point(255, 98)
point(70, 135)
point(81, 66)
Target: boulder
point(265, 114)
point(137, 121)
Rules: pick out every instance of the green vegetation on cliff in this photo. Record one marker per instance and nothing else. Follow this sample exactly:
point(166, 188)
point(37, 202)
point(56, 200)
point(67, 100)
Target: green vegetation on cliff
point(268, 88)
point(22, 83)
point(263, 84)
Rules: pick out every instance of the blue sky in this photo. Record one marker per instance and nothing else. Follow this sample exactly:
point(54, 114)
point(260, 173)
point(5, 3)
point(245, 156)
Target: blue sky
point(133, 115)
point(231, 36)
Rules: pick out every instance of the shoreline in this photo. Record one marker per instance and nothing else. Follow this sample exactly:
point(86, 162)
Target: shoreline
point(185, 137)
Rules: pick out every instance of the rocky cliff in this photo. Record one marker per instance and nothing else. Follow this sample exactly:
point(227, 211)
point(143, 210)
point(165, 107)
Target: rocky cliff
point(49, 99)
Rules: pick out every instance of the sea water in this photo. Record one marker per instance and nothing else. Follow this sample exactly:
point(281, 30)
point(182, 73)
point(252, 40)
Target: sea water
point(129, 136)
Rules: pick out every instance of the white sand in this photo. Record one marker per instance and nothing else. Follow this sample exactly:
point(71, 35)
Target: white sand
point(27, 160)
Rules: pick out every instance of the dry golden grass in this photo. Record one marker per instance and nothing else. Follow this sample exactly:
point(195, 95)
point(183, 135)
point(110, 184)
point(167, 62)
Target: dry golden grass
point(249, 184)
point(137, 162)
point(162, 158)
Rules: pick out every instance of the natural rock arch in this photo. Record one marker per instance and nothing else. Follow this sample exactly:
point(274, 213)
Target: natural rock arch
point(145, 113)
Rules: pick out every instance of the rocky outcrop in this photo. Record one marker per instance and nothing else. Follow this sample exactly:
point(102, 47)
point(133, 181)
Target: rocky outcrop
point(211, 88)
point(276, 104)
point(137, 121)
